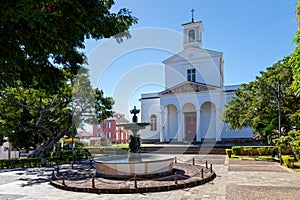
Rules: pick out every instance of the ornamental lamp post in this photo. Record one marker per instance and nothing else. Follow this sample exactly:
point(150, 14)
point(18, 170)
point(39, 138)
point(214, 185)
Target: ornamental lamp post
point(72, 146)
point(279, 119)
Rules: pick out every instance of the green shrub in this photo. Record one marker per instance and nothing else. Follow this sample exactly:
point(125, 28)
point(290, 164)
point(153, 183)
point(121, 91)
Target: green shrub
point(29, 162)
point(35, 162)
point(228, 152)
point(236, 150)
point(288, 161)
point(254, 151)
point(248, 150)
point(296, 149)
point(54, 160)
point(23, 162)
point(8, 163)
point(125, 148)
point(261, 151)
point(290, 143)
point(66, 158)
point(269, 150)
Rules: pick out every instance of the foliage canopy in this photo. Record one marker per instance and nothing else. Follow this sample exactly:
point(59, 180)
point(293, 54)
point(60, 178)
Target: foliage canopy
point(256, 103)
point(39, 61)
point(295, 57)
point(38, 38)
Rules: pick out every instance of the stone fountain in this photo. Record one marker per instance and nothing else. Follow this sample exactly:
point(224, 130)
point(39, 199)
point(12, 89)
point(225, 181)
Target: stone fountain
point(135, 163)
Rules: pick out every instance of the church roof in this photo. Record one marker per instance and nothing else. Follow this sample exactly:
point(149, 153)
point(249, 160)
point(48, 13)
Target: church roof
point(191, 23)
point(188, 87)
point(193, 53)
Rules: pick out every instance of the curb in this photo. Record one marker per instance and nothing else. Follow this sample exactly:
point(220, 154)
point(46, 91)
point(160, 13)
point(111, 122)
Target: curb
point(191, 182)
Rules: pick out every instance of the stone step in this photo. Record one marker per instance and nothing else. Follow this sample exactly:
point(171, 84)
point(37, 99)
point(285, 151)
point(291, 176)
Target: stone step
point(183, 150)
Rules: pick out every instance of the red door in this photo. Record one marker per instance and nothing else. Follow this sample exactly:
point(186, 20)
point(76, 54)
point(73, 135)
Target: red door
point(190, 126)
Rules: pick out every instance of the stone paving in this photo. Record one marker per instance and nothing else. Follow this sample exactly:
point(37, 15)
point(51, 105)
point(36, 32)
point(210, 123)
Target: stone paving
point(235, 180)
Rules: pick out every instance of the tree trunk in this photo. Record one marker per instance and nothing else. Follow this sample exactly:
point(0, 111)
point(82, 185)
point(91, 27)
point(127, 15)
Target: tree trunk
point(40, 152)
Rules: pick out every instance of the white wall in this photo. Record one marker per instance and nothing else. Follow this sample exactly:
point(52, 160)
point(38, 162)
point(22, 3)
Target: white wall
point(4, 152)
point(174, 75)
point(208, 69)
point(150, 105)
point(208, 72)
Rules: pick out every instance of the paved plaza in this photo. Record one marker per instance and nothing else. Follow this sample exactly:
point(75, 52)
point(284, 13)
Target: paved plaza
point(235, 180)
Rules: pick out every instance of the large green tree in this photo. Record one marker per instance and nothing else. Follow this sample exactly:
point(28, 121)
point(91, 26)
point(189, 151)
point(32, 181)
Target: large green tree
point(295, 57)
point(32, 118)
point(89, 105)
point(40, 37)
point(256, 103)
point(40, 57)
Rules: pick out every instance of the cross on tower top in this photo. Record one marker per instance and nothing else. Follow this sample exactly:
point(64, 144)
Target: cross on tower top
point(192, 14)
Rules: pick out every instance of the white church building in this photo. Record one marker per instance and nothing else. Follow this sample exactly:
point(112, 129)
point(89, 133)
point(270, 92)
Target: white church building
point(189, 108)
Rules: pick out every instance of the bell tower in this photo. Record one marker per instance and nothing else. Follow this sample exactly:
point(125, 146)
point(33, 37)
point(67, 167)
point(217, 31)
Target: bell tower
point(192, 33)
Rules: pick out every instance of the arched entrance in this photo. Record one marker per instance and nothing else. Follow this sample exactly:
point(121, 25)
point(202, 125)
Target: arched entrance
point(172, 122)
point(208, 121)
point(190, 122)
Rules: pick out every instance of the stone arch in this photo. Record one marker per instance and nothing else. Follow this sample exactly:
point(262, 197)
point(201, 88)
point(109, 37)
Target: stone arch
point(208, 120)
point(188, 107)
point(172, 121)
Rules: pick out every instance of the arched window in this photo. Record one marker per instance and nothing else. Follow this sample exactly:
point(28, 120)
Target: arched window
point(153, 123)
point(191, 35)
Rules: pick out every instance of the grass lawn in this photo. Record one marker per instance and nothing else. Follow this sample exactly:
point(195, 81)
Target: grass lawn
point(98, 155)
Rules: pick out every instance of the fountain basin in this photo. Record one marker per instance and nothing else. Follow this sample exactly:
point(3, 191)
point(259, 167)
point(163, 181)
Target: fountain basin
point(119, 167)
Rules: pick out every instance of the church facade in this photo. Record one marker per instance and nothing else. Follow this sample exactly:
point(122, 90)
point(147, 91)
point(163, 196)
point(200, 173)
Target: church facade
point(189, 108)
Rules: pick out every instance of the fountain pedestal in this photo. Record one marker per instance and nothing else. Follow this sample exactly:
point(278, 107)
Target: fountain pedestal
point(144, 165)
point(135, 141)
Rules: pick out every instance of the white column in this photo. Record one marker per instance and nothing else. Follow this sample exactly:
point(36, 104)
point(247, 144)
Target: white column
point(161, 132)
point(164, 124)
point(180, 133)
point(167, 124)
point(198, 117)
point(219, 125)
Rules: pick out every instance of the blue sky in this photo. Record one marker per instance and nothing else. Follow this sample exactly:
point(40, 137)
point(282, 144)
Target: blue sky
point(252, 34)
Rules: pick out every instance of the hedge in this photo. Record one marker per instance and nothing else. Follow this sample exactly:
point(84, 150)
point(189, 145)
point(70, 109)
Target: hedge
point(252, 150)
point(59, 157)
point(36, 162)
point(288, 161)
point(24, 162)
point(237, 150)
